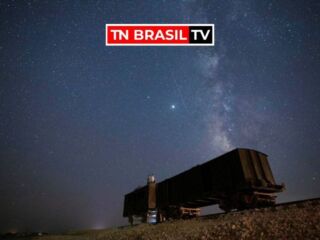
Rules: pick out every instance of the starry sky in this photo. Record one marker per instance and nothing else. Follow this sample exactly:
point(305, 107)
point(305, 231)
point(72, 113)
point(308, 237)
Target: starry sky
point(81, 124)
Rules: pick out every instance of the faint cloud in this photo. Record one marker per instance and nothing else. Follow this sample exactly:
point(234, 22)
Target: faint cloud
point(217, 115)
point(219, 133)
point(215, 94)
point(208, 64)
point(218, 121)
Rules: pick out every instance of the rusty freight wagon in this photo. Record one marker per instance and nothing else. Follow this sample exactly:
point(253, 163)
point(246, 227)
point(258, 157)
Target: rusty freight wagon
point(238, 179)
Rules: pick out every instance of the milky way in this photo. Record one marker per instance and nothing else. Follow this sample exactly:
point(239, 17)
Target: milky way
point(82, 123)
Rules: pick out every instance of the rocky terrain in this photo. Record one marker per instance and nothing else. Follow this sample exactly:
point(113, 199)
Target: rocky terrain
point(295, 221)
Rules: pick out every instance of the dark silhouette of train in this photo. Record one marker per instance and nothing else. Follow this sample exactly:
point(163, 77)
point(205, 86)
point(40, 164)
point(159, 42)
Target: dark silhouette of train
point(239, 179)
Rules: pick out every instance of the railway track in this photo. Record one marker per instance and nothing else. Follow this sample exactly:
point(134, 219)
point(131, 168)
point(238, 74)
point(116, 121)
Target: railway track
point(278, 206)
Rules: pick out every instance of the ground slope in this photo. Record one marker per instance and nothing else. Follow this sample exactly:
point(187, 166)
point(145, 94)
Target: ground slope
point(295, 221)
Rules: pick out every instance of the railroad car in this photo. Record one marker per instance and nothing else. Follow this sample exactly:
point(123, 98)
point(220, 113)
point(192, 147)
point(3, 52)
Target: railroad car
point(239, 179)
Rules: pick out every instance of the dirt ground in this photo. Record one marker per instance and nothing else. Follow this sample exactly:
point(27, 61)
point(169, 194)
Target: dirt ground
point(298, 221)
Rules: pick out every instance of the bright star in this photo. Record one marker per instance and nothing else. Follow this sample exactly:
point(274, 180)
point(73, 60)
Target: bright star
point(173, 106)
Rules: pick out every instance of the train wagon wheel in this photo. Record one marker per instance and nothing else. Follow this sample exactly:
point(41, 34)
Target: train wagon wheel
point(130, 218)
point(161, 216)
point(248, 201)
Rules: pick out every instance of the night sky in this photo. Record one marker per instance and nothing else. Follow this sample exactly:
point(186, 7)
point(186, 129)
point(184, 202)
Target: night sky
point(81, 124)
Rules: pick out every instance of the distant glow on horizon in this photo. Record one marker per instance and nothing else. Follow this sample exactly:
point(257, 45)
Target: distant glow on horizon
point(98, 226)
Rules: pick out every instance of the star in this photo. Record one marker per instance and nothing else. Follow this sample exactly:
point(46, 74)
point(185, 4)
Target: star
point(173, 107)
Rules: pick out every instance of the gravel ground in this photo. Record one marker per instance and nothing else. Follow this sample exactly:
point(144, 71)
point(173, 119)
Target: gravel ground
point(299, 221)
